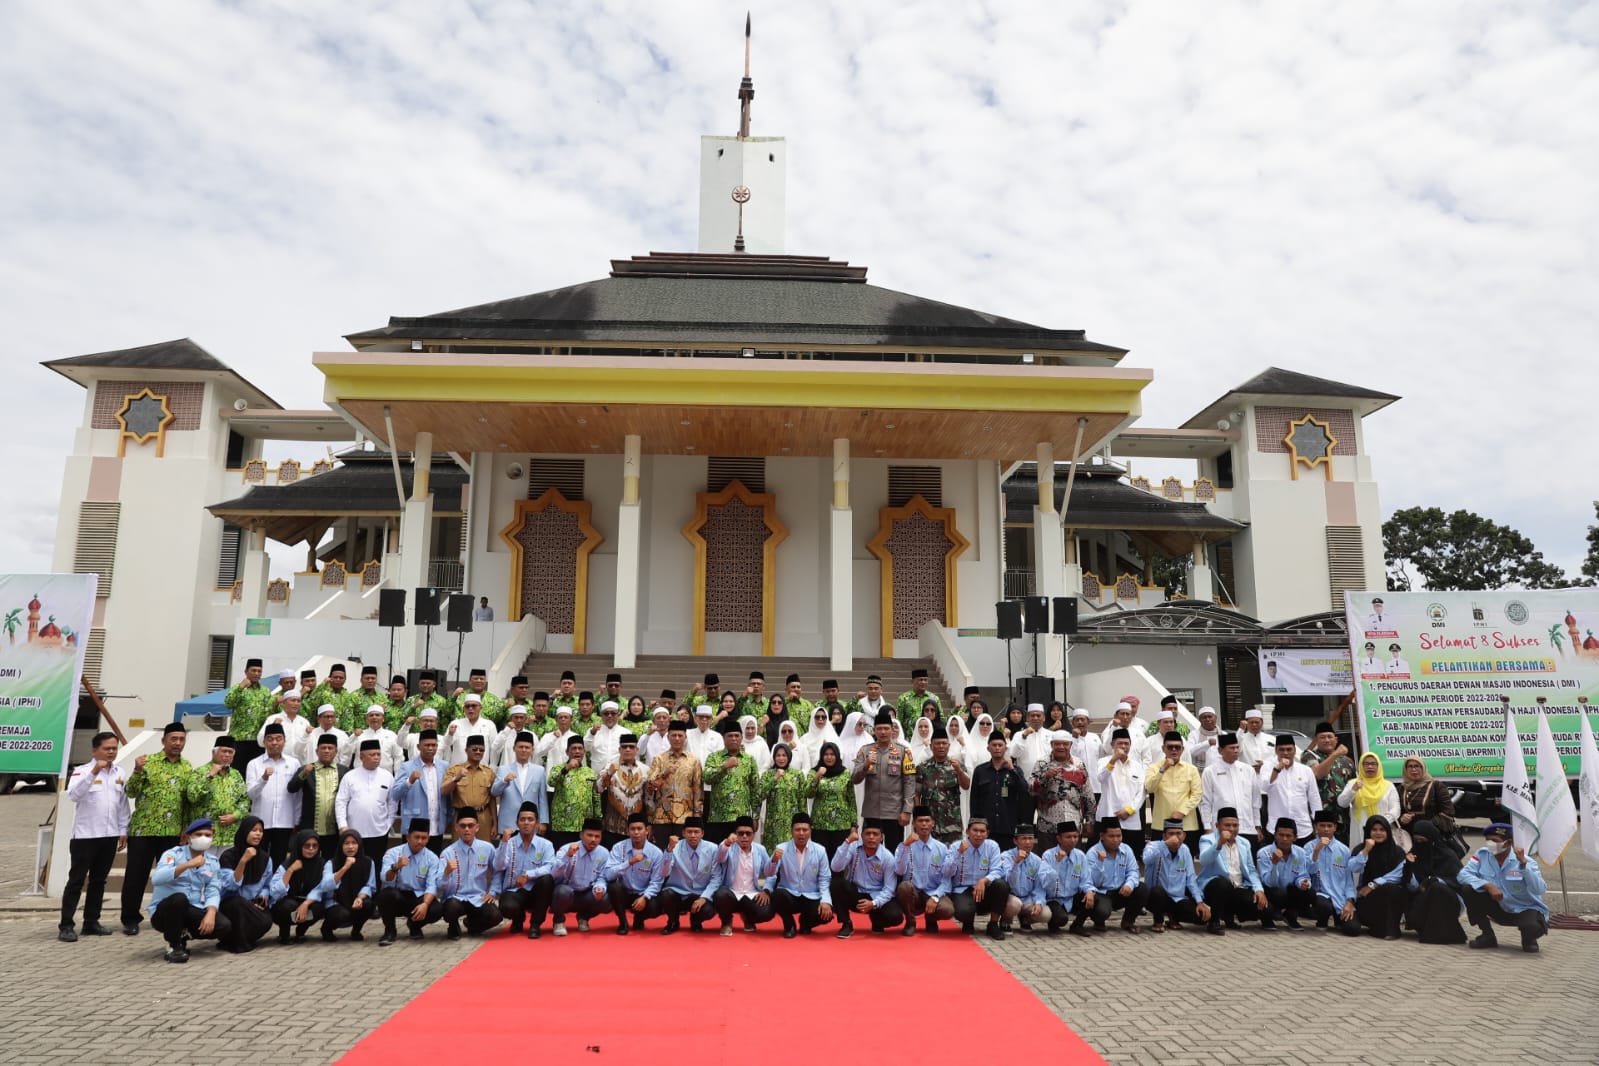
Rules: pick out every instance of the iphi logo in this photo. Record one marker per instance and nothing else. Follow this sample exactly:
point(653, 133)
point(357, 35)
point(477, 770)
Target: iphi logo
point(1516, 612)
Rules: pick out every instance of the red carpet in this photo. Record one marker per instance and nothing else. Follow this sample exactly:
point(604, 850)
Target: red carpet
point(597, 997)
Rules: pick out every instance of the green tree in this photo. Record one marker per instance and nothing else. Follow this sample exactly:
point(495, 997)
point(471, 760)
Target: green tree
point(1461, 551)
point(1590, 565)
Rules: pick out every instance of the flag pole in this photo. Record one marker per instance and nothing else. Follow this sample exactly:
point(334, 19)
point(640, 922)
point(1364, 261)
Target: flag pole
point(1565, 902)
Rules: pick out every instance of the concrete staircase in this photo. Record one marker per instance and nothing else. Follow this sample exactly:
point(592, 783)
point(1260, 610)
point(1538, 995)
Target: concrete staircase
point(680, 673)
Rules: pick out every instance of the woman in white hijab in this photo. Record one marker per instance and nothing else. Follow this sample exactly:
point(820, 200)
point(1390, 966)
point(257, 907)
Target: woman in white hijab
point(819, 732)
point(788, 734)
point(977, 743)
point(755, 744)
point(921, 744)
point(857, 734)
point(956, 728)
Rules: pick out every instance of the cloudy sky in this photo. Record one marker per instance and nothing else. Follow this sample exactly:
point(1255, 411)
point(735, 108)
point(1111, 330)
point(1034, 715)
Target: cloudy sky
point(1398, 196)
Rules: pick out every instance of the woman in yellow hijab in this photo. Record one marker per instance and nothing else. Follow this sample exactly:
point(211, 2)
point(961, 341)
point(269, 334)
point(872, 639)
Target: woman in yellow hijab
point(1370, 793)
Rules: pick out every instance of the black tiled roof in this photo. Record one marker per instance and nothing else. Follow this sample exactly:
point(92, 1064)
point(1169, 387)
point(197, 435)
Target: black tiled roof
point(1109, 502)
point(180, 354)
point(351, 489)
point(1275, 381)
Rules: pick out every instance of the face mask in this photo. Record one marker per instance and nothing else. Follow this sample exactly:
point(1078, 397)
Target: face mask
point(199, 843)
point(1499, 847)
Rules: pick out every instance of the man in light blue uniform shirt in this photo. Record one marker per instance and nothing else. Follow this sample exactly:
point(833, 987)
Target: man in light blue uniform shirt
point(580, 878)
point(972, 881)
point(1067, 867)
point(468, 880)
point(1170, 872)
point(526, 868)
point(801, 881)
point(408, 883)
point(634, 875)
point(188, 890)
point(864, 883)
point(1028, 877)
point(919, 866)
point(1227, 877)
point(690, 864)
point(1332, 876)
point(1503, 884)
point(1284, 869)
point(521, 780)
point(738, 883)
point(1111, 882)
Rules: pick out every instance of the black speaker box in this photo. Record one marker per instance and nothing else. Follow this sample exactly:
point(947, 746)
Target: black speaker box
point(458, 618)
point(391, 607)
point(1009, 613)
point(1035, 617)
point(427, 607)
point(1037, 690)
point(1065, 619)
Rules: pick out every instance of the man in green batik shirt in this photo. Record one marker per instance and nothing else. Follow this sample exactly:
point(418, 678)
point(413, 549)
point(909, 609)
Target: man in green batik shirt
point(477, 682)
point(565, 694)
point(352, 704)
point(908, 707)
point(754, 699)
point(428, 697)
point(799, 708)
point(249, 702)
point(157, 787)
point(732, 780)
point(707, 691)
point(218, 792)
point(586, 717)
point(540, 722)
point(576, 795)
point(518, 693)
point(331, 691)
point(395, 706)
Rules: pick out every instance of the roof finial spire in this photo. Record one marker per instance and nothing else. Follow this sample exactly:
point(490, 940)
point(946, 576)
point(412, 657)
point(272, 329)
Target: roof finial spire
point(746, 88)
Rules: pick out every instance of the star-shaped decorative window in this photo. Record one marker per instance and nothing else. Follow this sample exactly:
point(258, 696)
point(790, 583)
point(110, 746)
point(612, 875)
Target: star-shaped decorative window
point(1310, 441)
point(144, 415)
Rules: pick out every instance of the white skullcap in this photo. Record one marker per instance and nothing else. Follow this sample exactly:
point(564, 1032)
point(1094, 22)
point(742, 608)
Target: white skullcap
point(375, 708)
point(1254, 712)
point(428, 712)
point(1206, 710)
point(1124, 706)
point(517, 708)
point(328, 707)
point(611, 704)
point(1061, 736)
point(1031, 707)
point(1080, 713)
point(472, 697)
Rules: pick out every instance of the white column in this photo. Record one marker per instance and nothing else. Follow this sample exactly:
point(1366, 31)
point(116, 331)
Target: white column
point(1048, 565)
point(1200, 586)
point(254, 572)
point(841, 565)
point(628, 528)
point(416, 548)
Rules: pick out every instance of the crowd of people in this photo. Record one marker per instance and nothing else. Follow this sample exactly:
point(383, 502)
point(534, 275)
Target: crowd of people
point(486, 812)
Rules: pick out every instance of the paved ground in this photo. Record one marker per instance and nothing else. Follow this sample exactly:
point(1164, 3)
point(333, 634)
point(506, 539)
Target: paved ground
point(1180, 999)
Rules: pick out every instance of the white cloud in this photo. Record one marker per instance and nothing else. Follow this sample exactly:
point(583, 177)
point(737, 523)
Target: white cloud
point(1399, 197)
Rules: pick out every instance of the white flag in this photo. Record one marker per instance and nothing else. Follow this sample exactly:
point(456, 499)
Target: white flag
point(1517, 797)
point(1557, 814)
point(1588, 785)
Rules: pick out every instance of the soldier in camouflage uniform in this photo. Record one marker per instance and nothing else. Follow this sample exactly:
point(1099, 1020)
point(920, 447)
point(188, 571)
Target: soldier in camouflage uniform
point(157, 786)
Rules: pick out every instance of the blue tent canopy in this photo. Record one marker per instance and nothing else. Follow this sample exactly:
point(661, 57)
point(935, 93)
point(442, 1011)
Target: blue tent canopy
point(210, 703)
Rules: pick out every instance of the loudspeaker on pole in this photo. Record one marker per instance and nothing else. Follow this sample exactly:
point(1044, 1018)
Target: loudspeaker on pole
point(459, 617)
point(1065, 615)
point(1035, 614)
point(1009, 615)
point(427, 607)
point(391, 608)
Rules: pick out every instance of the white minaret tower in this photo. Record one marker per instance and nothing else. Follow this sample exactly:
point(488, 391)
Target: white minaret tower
point(753, 166)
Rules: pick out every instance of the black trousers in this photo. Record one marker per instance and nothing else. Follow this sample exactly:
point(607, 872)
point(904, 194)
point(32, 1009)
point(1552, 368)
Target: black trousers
point(1229, 903)
point(479, 917)
point(276, 841)
point(582, 903)
point(1382, 910)
point(673, 904)
point(142, 854)
point(249, 923)
point(374, 847)
point(1292, 902)
point(337, 916)
point(790, 907)
point(175, 916)
point(967, 908)
point(1163, 908)
point(753, 912)
point(531, 902)
point(1323, 910)
point(1059, 915)
point(893, 832)
point(91, 862)
point(283, 914)
point(1107, 903)
point(1483, 911)
point(622, 899)
point(846, 896)
point(394, 904)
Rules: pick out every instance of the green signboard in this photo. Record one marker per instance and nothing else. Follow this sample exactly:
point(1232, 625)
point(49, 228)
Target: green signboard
point(44, 631)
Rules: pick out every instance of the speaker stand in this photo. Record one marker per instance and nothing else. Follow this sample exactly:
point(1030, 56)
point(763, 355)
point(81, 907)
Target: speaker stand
point(460, 642)
point(1010, 682)
point(427, 654)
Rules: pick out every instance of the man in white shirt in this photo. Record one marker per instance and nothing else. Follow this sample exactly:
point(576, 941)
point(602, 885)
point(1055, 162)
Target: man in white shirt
point(604, 740)
point(388, 741)
point(472, 723)
point(1370, 663)
point(503, 750)
point(1378, 621)
point(1030, 747)
point(266, 780)
point(702, 740)
point(483, 612)
point(1119, 780)
point(1126, 718)
point(296, 726)
point(871, 701)
point(1229, 781)
point(1152, 749)
point(305, 749)
point(365, 802)
point(1291, 789)
point(552, 746)
point(1255, 747)
point(98, 788)
point(411, 730)
point(1396, 665)
point(1204, 741)
point(1086, 746)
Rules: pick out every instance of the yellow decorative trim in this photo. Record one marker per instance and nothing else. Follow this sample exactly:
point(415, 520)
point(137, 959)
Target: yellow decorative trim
point(592, 539)
point(767, 502)
point(1294, 458)
point(160, 431)
point(878, 546)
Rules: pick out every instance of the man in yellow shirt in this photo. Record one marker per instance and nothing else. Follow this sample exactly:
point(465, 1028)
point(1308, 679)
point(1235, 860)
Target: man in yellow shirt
point(1177, 787)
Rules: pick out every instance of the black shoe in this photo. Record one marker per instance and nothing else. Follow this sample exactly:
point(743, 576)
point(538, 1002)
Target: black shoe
point(670, 927)
point(638, 921)
point(621, 927)
point(1099, 926)
point(996, 930)
point(1485, 940)
point(283, 936)
point(389, 936)
point(1529, 946)
point(355, 934)
point(414, 932)
point(130, 928)
point(910, 929)
point(1321, 923)
point(327, 935)
point(1214, 928)
point(532, 932)
point(845, 933)
point(749, 926)
point(790, 933)
point(1292, 923)
point(969, 928)
point(177, 955)
point(1232, 923)
point(453, 932)
point(1267, 924)
point(67, 935)
point(299, 936)
point(95, 929)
